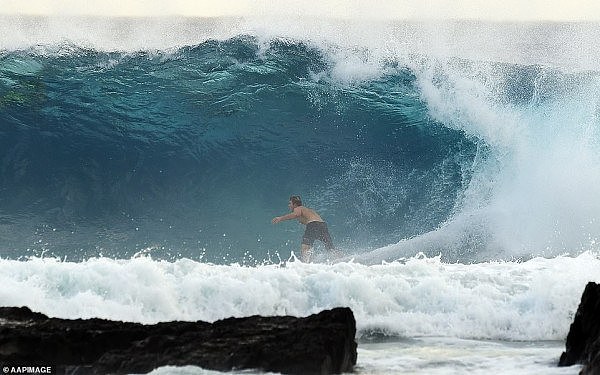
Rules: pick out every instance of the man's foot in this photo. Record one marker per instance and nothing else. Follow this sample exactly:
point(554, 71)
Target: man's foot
point(306, 255)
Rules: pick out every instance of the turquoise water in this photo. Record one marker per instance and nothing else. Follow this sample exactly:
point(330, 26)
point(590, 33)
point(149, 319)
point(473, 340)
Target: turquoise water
point(192, 152)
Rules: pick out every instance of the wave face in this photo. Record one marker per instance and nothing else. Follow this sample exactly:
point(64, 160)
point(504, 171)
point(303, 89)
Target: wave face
point(200, 148)
point(190, 150)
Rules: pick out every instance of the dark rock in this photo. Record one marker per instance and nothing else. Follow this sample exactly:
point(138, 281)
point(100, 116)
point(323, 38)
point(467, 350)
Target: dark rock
point(583, 340)
point(322, 343)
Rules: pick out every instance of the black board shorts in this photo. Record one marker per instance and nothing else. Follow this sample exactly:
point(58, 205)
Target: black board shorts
point(317, 230)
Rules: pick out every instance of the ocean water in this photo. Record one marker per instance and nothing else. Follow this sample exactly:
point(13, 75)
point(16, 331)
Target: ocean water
point(456, 163)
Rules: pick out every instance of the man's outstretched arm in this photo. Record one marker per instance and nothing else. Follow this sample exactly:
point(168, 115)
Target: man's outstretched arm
point(292, 215)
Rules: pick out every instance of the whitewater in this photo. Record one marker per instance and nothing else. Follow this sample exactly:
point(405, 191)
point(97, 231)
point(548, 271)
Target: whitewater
point(456, 163)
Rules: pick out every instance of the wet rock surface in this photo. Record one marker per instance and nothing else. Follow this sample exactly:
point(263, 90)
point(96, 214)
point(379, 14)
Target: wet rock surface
point(322, 343)
point(583, 340)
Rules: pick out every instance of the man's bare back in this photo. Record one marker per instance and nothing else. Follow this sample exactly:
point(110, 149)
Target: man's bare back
point(308, 215)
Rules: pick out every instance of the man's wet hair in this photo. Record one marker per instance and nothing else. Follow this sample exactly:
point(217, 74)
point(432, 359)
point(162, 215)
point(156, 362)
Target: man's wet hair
point(296, 201)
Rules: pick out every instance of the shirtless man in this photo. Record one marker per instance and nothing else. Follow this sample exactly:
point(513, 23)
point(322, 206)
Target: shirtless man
point(316, 228)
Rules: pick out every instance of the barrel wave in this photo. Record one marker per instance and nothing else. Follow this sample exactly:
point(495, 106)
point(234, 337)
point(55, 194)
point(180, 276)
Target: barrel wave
point(191, 152)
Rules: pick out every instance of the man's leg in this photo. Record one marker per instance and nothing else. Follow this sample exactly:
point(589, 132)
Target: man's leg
point(306, 253)
point(326, 239)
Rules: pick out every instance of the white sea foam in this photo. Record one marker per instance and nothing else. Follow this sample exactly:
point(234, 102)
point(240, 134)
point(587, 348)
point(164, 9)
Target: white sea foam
point(533, 300)
point(443, 356)
point(532, 188)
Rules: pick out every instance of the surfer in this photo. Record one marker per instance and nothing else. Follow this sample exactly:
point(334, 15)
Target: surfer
point(316, 228)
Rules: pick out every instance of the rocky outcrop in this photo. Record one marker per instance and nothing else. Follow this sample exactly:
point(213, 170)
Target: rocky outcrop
point(583, 340)
point(318, 344)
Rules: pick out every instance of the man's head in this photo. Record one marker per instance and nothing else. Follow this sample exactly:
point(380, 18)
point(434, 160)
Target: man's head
point(295, 201)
